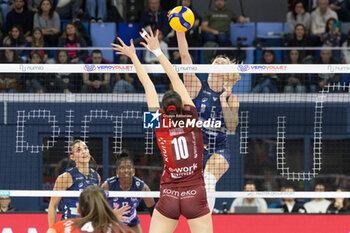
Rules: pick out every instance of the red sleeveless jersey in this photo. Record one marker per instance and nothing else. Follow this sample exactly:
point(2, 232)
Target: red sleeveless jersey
point(181, 148)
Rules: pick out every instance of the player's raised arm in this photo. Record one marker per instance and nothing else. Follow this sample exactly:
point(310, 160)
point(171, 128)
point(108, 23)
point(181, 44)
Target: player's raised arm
point(151, 94)
point(191, 81)
point(152, 43)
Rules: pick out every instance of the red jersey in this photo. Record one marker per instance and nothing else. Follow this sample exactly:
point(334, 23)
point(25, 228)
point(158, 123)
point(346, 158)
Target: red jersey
point(66, 226)
point(181, 148)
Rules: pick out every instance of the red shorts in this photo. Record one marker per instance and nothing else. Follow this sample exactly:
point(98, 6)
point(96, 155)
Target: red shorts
point(190, 201)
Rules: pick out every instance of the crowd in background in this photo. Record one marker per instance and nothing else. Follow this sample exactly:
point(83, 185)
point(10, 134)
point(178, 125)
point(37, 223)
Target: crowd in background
point(59, 23)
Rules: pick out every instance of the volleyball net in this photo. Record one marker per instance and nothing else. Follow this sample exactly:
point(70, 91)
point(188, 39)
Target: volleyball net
point(293, 127)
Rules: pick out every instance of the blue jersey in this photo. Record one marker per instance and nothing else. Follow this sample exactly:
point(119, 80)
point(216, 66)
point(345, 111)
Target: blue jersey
point(133, 202)
point(80, 182)
point(209, 107)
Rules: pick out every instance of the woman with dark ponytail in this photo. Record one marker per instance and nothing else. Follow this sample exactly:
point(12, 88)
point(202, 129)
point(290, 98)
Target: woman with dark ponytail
point(75, 178)
point(182, 190)
point(96, 216)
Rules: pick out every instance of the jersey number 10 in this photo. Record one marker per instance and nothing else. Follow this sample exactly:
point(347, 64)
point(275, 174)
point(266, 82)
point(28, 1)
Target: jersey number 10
point(180, 146)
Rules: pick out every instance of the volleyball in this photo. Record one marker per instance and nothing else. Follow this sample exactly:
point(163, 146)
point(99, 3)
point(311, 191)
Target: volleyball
point(181, 18)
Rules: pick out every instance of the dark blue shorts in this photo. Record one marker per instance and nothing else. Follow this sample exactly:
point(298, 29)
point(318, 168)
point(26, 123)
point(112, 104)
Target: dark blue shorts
point(224, 151)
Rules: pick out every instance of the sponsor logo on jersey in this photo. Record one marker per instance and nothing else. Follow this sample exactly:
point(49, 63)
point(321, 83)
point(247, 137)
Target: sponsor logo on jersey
point(204, 99)
point(180, 172)
point(151, 120)
point(176, 131)
point(184, 194)
point(215, 98)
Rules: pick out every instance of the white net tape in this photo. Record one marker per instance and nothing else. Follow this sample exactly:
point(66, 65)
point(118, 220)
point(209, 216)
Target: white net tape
point(118, 68)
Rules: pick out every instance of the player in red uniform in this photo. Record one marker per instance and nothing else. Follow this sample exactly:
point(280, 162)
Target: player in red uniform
point(96, 216)
point(182, 190)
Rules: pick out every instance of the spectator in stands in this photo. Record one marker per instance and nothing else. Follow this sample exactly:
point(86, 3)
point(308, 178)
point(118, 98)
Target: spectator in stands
point(91, 6)
point(10, 82)
point(38, 41)
point(320, 81)
point(16, 38)
point(258, 202)
point(342, 7)
point(346, 52)
point(33, 5)
point(99, 82)
point(5, 204)
point(71, 38)
point(155, 17)
point(318, 205)
point(125, 83)
point(319, 18)
point(48, 20)
point(71, 82)
point(290, 204)
point(33, 81)
point(21, 17)
point(266, 83)
point(301, 39)
point(339, 205)
point(295, 83)
point(332, 35)
point(299, 15)
point(68, 9)
point(149, 57)
point(5, 8)
point(216, 23)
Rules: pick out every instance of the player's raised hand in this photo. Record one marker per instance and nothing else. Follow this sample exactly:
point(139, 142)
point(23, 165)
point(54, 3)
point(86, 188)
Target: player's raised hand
point(123, 48)
point(119, 212)
point(152, 42)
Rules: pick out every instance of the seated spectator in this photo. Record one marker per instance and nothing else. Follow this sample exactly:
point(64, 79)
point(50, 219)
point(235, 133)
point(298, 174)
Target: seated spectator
point(320, 81)
point(301, 39)
point(71, 82)
point(258, 202)
point(332, 36)
point(33, 5)
point(149, 57)
point(5, 8)
point(291, 205)
point(295, 83)
point(48, 21)
point(72, 39)
point(125, 83)
point(298, 16)
point(38, 41)
point(319, 17)
point(318, 205)
point(16, 39)
point(216, 23)
point(346, 52)
point(68, 9)
point(20, 16)
point(33, 81)
point(339, 205)
point(266, 83)
point(96, 82)
point(342, 7)
point(10, 82)
point(5, 204)
point(155, 17)
point(97, 10)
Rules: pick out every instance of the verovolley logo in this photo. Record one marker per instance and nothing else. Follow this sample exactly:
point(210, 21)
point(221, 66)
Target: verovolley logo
point(268, 68)
point(89, 68)
point(115, 68)
point(243, 68)
point(151, 120)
